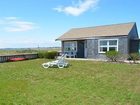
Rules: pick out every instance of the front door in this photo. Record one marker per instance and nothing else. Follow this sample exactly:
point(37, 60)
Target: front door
point(80, 49)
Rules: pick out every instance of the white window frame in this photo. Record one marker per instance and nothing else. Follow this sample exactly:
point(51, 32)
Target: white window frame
point(70, 42)
point(108, 46)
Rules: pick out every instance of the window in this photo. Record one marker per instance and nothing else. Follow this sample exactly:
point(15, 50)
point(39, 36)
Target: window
point(70, 46)
point(112, 42)
point(103, 42)
point(108, 45)
point(103, 49)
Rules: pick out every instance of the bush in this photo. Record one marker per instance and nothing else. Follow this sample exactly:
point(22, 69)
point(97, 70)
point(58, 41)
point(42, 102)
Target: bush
point(112, 55)
point(41, 54)
point(51, 54)
point(47, 54)
point(134, 57)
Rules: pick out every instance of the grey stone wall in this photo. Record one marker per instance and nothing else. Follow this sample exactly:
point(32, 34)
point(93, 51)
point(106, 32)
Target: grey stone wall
point(133, 40)
point(133, 34)
point(92, 47)
point(123, 45)
point(134, 46)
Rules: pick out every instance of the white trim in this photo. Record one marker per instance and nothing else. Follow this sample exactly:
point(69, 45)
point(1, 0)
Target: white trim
point(108, 46)
point(85, 48)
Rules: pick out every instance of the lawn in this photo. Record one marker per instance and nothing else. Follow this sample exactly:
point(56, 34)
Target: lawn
point(83, 83)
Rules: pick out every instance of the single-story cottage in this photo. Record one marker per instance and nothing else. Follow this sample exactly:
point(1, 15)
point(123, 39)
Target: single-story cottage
point(93, 42)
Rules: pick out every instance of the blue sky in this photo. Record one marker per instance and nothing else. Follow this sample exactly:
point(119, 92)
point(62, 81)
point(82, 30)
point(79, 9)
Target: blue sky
point(29, 23)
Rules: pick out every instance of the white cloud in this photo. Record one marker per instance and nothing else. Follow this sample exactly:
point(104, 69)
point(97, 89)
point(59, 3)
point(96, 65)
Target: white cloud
point(13, 24)
point(19, 26)
point(79, 8)
point(11, 18)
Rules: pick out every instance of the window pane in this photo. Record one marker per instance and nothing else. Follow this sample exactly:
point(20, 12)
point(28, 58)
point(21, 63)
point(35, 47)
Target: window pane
point(103, 42)
point(69, 46)
point(65, 49)
point(66, 43)
point(103, 49)
point(113, 42)
point(112, 48)
point(68, 49)
point(73, 48)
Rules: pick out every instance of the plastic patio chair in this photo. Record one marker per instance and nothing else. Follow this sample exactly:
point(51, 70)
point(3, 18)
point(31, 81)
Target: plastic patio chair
point(60, 63)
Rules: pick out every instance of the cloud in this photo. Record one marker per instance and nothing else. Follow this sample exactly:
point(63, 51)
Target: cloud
point(79, 8)
point(11, 18)
point(13, 24)
point(19, 26)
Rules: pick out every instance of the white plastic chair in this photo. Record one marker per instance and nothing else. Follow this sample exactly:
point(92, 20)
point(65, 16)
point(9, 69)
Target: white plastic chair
point(60, 63)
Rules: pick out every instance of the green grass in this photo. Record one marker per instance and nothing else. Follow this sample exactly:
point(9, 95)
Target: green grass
point(83, 83)
point(26, 50)
point(7, 52)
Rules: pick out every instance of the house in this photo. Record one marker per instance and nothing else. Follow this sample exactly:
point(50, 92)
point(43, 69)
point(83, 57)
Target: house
point(93, 42)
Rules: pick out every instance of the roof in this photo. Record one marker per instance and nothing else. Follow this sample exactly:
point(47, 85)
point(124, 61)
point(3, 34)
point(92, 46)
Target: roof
point(106, 30)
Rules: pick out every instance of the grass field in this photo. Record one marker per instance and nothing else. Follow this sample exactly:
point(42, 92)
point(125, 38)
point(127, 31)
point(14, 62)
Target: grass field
point(83, 83)
point(26, 50)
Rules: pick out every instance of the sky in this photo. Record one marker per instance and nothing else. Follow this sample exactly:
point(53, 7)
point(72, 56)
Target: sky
point(33, 23)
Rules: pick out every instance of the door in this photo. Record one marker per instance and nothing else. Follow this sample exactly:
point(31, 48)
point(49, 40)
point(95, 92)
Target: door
point(80, 49)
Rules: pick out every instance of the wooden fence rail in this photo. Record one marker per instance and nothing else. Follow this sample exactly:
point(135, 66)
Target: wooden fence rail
point(5, 58)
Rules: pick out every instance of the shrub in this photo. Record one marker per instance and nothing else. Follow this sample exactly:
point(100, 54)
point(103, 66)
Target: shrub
point(47, 54)
point(112, 55)
point(41, 54)
point(51, 54)
point(134, 57)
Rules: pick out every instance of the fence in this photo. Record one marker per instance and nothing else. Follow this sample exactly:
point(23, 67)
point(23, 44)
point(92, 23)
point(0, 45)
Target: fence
point(5, 58)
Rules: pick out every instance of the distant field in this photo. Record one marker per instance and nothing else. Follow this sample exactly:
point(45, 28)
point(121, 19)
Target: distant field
point(33, 50)
point(7, 52)
point(83, 83)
